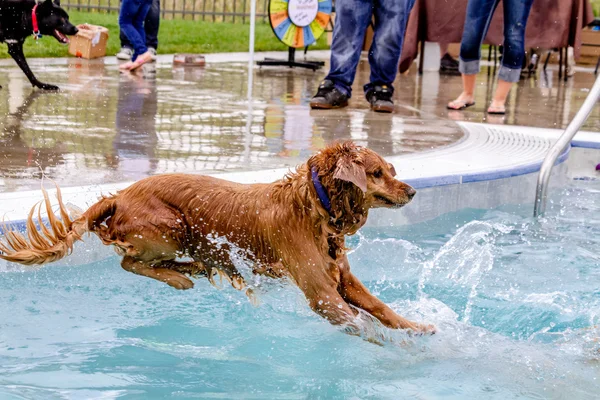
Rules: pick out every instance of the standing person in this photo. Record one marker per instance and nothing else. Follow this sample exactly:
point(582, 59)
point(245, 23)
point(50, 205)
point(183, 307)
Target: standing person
point(477, 22)
point(151, 25)
point(351, 22)
point(131, 22)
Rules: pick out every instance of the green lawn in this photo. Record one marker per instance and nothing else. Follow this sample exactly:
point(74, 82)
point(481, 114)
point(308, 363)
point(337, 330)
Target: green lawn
point(175, 36)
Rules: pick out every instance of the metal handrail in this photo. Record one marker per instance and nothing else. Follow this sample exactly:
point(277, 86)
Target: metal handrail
point(541, 193)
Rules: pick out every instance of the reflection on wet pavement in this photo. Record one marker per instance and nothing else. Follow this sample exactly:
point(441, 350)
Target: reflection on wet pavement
point(105, 127)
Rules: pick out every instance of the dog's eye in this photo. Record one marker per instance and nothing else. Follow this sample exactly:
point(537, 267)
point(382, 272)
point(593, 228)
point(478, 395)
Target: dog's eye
point(378, 173)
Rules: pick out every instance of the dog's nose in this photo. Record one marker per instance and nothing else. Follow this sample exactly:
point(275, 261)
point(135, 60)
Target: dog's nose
point(410, 192)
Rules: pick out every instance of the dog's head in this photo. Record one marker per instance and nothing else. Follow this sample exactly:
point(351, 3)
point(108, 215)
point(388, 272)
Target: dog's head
point(54, 21)
point(357, 179)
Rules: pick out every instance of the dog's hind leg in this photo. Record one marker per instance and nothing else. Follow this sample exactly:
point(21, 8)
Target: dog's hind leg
point(169, 276)
point(16, 52)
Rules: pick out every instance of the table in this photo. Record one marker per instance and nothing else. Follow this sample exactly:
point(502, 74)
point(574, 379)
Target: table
point(552, 24)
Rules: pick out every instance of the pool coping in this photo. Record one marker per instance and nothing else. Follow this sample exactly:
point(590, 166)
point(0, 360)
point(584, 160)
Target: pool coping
point(488, 152)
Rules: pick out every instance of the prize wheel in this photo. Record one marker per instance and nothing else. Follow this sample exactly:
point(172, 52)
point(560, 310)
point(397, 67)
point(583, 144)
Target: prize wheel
point(299, 23)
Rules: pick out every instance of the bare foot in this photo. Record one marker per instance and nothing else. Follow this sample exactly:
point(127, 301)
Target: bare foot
point(126, 66)
point(141, 60)
point(461, 102)
point(497, 107)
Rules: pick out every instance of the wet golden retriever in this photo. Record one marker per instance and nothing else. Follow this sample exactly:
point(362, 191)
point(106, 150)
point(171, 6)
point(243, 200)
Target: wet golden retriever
point(294, 228)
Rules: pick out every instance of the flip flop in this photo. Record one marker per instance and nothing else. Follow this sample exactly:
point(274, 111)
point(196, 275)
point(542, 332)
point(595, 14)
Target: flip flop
point(463, 105)
point(496, 111)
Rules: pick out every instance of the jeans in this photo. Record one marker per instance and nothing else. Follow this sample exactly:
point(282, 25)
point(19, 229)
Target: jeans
point(351, 22)
point(131, 22)
point(151, 25)
point(477, 22)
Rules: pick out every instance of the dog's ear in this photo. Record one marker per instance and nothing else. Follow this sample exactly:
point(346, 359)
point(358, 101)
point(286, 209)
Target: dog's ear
point(57, 2)
point(348, 170)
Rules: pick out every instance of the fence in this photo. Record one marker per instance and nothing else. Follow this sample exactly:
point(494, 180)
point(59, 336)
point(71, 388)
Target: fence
point(197, 10)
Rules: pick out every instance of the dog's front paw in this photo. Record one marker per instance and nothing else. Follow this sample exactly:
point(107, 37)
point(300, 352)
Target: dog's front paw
point(46, 86)
point(180, 282)
point(425, 329)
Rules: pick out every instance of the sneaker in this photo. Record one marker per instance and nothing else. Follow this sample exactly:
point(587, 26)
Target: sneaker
point(380, 98)
point(152, 52)
point(328, 96)
point(448, 63)
point(125, 53)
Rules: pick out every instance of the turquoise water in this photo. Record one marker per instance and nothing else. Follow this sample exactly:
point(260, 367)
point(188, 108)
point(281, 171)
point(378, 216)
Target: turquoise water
point(515, 302)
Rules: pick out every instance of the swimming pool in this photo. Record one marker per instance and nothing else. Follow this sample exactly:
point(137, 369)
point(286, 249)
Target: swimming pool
point(515, 301)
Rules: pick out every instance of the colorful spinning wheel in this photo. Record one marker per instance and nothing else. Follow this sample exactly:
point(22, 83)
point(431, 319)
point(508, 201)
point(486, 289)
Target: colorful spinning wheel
point(299, 23)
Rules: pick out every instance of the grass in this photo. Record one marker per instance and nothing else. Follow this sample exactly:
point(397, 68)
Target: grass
point(175, 36)
point(596, 7)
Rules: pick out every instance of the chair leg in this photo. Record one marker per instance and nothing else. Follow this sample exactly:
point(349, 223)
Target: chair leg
point(566, 64)
point(490, 59)
point(547, 59)
point(421, 57)
point(560, 62)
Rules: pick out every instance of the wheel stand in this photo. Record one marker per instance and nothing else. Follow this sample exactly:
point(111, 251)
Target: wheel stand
point(291, 61)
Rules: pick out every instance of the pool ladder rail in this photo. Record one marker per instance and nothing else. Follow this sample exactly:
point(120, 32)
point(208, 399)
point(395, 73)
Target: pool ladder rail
point(541, 193)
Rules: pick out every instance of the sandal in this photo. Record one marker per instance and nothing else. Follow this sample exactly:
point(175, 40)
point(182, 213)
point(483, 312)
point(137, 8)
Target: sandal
point(459, 105)
point(496, 111)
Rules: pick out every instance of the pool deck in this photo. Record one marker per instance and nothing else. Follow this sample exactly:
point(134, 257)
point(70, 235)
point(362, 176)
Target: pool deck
point(105, 130)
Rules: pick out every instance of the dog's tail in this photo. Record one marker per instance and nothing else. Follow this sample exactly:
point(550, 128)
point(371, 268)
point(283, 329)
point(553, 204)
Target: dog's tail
point(47, 244)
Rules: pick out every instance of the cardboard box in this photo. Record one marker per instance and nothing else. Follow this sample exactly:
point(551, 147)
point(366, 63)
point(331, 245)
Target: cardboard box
point(90, 42)
point(590, 46)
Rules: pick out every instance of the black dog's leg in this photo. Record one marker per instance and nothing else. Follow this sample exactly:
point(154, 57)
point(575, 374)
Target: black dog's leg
point(16, 52)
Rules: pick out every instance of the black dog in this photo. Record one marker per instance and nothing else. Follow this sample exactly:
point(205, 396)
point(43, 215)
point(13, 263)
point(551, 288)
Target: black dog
point(18, 19)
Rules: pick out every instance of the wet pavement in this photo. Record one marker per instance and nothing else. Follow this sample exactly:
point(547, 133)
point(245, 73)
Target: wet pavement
point(106, 127)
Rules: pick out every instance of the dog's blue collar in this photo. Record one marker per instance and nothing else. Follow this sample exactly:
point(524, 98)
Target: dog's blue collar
point(321, 192)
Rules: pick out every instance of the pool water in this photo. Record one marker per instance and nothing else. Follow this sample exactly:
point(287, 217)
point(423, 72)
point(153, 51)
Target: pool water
point(516, 302)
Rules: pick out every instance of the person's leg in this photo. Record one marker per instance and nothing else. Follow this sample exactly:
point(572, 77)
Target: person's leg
point(126, 50)
point(351, 22)
point(391, 17)
point(516, 13)
point(138, 24)
point(152, 24)
point(124, 41)
point(477, 21)
point(129, 11)
point(443, 49)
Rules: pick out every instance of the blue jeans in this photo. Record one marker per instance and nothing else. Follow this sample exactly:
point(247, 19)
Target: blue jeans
point(131, 22)
point(351, 22)
point(477, 22)
point(151, 25)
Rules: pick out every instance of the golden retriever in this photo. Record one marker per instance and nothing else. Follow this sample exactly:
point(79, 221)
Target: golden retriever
point(294, 228)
